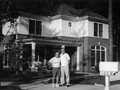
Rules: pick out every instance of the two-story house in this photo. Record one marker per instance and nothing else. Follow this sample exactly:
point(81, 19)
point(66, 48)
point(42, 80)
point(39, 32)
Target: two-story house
point(83, 32)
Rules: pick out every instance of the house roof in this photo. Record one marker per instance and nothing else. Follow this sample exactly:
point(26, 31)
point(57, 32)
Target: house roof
point(30, 15)
point(65, 11)
point(87, 12)
point(68, 41)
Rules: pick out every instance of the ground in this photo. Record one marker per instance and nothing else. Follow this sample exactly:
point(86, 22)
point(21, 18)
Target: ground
point(43, 81)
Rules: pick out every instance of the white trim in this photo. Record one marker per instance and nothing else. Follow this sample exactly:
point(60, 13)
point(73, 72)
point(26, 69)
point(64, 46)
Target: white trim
point(95, 50)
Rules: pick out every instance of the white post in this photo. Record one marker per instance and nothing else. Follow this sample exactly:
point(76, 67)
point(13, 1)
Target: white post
point(107, 82)
point(33, 52)
point(78, 58)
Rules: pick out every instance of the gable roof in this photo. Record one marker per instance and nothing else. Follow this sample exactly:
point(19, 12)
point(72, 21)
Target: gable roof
point(87, 12)
point(64, 10)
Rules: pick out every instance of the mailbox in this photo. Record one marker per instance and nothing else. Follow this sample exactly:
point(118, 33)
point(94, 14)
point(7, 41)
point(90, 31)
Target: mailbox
point(108, 69)
point(109, 66)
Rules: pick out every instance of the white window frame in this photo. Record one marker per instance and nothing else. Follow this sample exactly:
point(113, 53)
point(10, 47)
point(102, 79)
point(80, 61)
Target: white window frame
point(95, 50)
point(98, 29)
point(35, 26)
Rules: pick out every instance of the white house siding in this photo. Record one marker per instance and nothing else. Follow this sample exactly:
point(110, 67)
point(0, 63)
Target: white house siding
point(82, 28)
point(91, 28)
point(69, 31)
point(23, 26)
point(105, 31)
point(55, 28)
point(46, 29)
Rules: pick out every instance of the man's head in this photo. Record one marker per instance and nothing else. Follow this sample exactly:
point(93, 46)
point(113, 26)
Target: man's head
point(62, 49)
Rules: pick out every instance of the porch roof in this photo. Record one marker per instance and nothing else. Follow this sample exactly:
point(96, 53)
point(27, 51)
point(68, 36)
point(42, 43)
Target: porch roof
point(68, 41)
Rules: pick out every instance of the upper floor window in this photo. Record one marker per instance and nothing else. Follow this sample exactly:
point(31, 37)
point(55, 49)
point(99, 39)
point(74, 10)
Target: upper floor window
point(98, 30)
point(35, 27)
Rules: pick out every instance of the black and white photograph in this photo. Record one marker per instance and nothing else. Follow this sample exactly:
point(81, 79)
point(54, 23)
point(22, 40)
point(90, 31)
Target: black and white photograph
point(59, 44)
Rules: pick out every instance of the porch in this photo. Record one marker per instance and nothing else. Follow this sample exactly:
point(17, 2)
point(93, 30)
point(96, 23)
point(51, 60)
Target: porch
point(41, 49)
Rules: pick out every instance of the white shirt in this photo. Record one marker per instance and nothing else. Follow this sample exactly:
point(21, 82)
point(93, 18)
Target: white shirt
point(64, 59)
point(55, 61)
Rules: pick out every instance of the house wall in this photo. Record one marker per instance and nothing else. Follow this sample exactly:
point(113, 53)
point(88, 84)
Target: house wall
point(88, 43)
point(52, 28)
point(105, 31)
point(69, 31)
point(82, 27)
point(46, 29)
point(57, 27)
point(23, 25)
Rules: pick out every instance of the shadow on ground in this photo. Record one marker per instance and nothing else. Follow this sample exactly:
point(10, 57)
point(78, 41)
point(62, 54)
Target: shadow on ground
point(10, 88)
point(84, 79)
point(45, 78)
point(87, 80)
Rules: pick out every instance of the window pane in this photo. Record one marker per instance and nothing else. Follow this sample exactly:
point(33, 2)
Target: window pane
point(95, 29)
point(93, 47)
point(92, 58)
point(102, 55)
point(38, 27)
point(31, 26)
point(102, 48)
point(98, 47)
point(98, 57)
point(100, 30)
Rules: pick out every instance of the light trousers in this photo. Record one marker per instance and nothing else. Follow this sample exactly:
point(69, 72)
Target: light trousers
point(65, 76)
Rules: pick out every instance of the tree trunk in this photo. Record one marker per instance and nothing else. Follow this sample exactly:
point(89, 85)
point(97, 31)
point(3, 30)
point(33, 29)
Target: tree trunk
point(110, 32)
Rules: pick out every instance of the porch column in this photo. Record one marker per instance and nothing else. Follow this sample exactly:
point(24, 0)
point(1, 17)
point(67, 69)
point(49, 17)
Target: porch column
point(33, 51)
point(78, 58)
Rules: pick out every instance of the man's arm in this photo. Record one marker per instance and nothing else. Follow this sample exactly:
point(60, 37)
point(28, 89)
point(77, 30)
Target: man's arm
point(68, 58)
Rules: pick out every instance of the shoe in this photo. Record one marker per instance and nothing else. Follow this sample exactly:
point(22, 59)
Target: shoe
point(61, 85)
point(57, 85)
point(53, 85)
point(68, 85)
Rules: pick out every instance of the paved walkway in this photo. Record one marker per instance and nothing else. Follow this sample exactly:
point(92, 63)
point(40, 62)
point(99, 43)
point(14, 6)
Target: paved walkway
point(73, 87)
point(39, 85)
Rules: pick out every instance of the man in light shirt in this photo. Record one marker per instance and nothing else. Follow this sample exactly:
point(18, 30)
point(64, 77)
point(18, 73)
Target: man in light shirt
point(65, 60)
point(55, 62)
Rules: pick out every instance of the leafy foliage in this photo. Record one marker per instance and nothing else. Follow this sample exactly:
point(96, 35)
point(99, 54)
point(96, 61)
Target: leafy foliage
point(13, 53)
point(8, 10)
point(8, 13)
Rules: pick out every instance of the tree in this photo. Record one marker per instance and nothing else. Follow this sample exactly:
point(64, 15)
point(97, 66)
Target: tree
point(110, 31)
point(7, 14)
point(15, 51)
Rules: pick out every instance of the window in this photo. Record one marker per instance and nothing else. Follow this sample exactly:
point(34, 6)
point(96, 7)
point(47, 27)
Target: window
point(98, 30)
point(6, 57)
point(34, 27)
point(31, 27)
point(69, 24)
point(97, 55)
point(38, 28)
